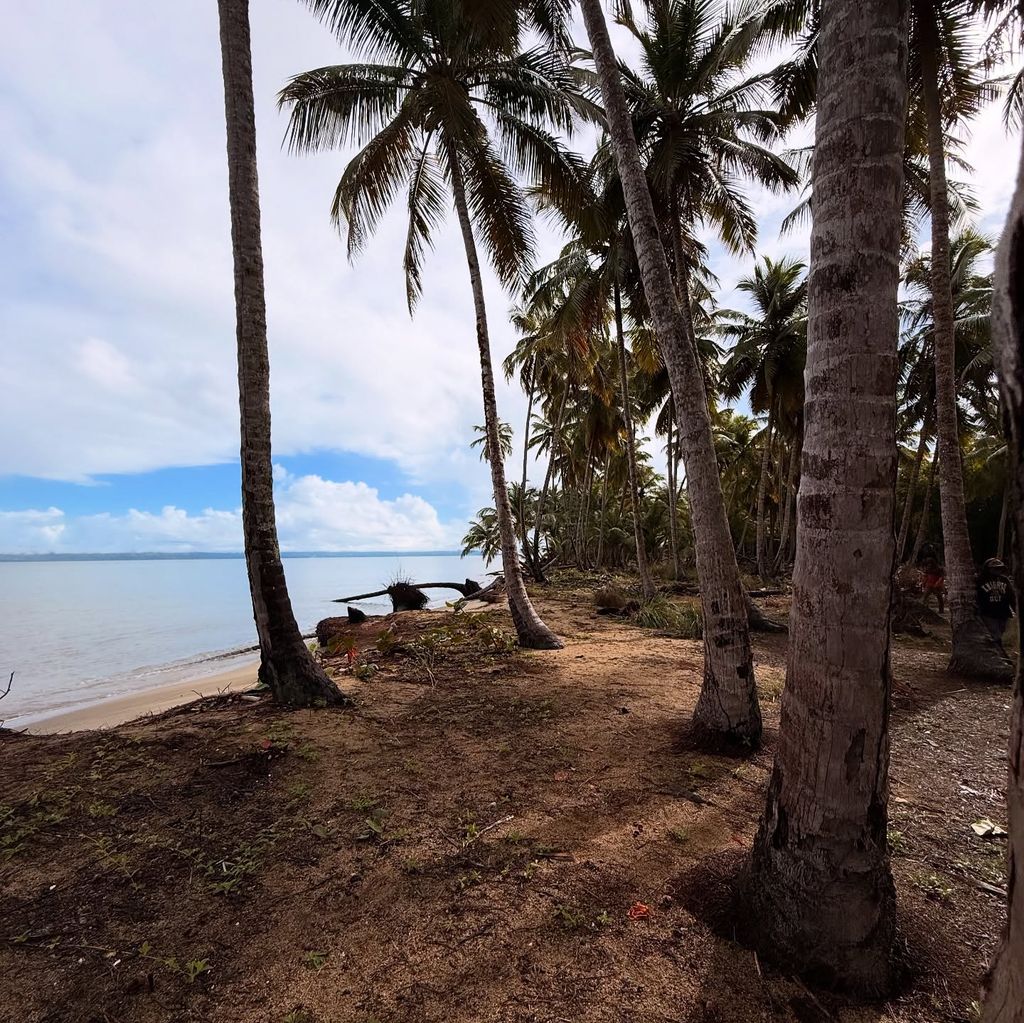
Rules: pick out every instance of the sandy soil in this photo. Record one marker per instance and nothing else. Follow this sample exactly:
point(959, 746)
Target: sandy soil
point(465, 844)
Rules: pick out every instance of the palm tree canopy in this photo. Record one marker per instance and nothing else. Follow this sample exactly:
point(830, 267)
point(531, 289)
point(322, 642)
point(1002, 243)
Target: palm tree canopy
point(443, 80)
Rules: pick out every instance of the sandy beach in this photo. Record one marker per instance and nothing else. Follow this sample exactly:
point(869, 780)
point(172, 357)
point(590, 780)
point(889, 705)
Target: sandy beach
point(119, 709)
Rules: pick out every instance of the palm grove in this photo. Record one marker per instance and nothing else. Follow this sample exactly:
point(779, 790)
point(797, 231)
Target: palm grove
point(870, 370)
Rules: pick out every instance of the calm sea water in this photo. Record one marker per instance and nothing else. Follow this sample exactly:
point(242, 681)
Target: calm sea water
point(75, 633)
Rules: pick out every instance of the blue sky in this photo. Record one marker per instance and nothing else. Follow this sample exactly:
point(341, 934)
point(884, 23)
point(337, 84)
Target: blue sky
point(117, 371)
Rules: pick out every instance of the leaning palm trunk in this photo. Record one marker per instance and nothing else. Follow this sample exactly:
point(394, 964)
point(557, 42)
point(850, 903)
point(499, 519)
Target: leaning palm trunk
point(727, 705)
point(1004, 1001)
point(975, 652)
point(908, 507)
point(646, 583)
point(820, 885)
point(532, 632)
point(286, 665)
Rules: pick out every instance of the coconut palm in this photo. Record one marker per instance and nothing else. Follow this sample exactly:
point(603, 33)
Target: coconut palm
point(447, 103)
point(286, 665)
point(820, 885)
point(767, 357)
point(1004, 1000)
point(727, 705)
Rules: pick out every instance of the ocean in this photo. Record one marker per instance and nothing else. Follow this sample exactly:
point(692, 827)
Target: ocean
point(78, 632)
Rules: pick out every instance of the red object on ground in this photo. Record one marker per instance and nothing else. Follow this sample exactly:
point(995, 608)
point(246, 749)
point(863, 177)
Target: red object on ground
point(639, 911)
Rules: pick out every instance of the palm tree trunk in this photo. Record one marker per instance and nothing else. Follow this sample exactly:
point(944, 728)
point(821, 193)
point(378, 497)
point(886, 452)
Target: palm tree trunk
point(975, 652)
point(286, 664)
point(1003, 515)
point(1004, 997)
point(532, 632)
point(922, 524)
point(542, 500)
point(531, 391)
point(673, 495)
point(727, 706)
point(646, 582)
point(820, 885)
point(584, 515)
point(762, 488)
point(794, 470)
point(908, 507)
point(604, 510)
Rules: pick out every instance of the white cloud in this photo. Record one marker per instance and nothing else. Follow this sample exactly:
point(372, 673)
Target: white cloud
point(312, 514)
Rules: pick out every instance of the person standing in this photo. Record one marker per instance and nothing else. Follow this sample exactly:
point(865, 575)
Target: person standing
point(996, 599)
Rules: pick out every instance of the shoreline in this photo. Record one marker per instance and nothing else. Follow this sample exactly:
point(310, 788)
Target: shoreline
point(119, 710)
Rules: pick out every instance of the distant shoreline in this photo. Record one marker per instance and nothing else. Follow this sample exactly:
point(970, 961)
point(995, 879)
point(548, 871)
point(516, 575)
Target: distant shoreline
point(218, 555)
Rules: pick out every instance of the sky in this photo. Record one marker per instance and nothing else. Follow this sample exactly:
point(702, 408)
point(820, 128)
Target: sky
point(117, 348)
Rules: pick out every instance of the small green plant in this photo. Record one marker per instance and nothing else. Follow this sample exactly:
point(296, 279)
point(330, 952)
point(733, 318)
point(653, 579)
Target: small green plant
point(603, 919)
point(934, 887)
point(195, 968)
point(680, 835)
point(897, 841)
point(363, 802)
point(365, 672)
point(569, 918)
point(298, 1016)
point(386, 642)
point(314, 960)
point(468, 880)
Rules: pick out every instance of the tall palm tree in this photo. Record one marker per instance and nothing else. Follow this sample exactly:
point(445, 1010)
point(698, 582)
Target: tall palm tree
point(944, 73)
point(1004, 1001)
point(286, 665)
point(820, 884)
point(727, 705)
point(447, 101)
point(768, 357)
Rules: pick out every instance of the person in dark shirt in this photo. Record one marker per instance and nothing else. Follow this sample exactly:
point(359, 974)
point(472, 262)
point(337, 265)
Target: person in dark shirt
point(996, 600)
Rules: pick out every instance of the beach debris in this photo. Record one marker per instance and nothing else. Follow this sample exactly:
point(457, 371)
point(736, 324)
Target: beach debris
point(639, 911)
point(408, 596)
point(10, 682)
point(355, 616)
point(988, 829)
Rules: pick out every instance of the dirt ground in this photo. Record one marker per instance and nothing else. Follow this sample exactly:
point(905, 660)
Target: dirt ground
point(465, 844)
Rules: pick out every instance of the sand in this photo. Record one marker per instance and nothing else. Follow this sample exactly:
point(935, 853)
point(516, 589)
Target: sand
point(119, 709)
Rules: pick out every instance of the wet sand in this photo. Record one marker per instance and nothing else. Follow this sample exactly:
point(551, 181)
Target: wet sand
point(119, 709)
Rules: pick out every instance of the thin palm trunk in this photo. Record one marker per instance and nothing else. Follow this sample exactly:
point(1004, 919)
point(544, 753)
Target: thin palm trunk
point(646, 582)
point(531, 392)
point(1004, 999)
point(975, 652)
point(794, 471)
point(673, 495)
point(549, 473)
point(762, 491)
point(584, 515)
point(604, 510)
point(820, 886)
point(1003, 516)
point(532, 632)
point(727, 705)
point(926, 510)
point(908, 507)
point(286, 664)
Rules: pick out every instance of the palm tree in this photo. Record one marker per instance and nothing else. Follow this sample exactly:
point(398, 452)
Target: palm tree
point(447, 100)
point(768, 357)
point(820, 885)
point(727, 705)
point(1004, 1001)
point(286, 665)
point(585, 285)
point(943, 72)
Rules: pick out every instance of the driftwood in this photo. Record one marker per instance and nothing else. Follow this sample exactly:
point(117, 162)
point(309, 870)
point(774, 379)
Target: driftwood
point(466, 588)
point(410, 596)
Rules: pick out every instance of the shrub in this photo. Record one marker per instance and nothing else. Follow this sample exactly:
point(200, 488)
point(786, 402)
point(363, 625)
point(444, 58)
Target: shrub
point(683, 621)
